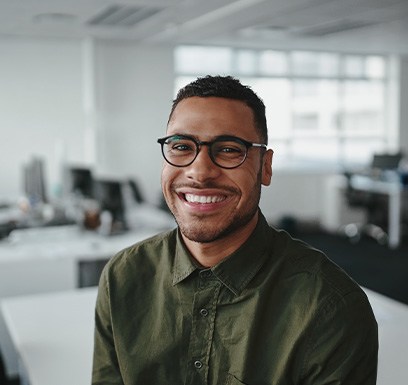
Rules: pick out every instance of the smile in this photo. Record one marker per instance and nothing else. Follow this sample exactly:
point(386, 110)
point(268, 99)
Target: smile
point(192, 198)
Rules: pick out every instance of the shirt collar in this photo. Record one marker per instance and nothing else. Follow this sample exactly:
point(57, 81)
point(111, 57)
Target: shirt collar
point(235, 271)
point(183, 262)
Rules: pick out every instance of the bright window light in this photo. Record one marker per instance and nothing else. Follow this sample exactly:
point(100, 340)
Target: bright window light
point(321, 107)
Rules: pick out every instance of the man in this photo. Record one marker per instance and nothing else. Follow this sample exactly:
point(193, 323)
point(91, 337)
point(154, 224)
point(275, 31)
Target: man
point(225, 298)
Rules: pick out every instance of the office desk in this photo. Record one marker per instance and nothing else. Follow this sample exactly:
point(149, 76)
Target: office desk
point(392, 319)
point(391, 187)
point(42, 260)
point(53, 334)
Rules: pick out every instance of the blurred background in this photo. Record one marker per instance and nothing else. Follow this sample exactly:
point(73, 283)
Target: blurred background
point(86, 88)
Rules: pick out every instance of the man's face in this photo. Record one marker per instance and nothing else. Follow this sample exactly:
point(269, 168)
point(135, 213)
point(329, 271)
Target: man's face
point(209, 202)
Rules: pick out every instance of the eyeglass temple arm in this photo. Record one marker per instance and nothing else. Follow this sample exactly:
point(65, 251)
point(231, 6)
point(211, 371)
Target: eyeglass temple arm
point(259, 145)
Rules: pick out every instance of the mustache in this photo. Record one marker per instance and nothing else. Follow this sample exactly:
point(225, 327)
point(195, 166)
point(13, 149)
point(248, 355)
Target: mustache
point(206, 185)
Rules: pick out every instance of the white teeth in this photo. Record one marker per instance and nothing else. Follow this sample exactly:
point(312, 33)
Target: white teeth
point(203, 198)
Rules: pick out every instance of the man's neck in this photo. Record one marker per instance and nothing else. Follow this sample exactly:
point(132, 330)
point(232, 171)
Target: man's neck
point(211, 253)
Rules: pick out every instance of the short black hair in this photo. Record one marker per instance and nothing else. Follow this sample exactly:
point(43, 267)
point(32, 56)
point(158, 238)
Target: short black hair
point(230, 88)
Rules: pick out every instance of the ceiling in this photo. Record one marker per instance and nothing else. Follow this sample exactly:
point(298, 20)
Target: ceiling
point(379, 26)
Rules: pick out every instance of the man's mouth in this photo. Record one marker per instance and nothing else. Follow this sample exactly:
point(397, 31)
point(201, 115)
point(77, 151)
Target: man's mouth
point(193, 198)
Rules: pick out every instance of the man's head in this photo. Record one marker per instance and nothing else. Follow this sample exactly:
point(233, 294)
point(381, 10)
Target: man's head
point(213, 190)
point(229, 88)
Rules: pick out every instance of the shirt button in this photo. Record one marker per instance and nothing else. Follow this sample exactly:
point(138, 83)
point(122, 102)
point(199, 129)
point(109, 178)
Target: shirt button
point(198, 364)
point(205, 273)
point(204, 312)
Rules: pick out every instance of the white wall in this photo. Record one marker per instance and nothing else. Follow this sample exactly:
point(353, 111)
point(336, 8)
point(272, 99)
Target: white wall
point(40, 106)
point(294, 193)
point(56, 95)
point(134, 94)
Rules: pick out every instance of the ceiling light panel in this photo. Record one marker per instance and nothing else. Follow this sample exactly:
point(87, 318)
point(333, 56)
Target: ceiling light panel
point(123, 15)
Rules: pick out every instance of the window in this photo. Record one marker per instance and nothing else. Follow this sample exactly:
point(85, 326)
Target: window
point(321, 107)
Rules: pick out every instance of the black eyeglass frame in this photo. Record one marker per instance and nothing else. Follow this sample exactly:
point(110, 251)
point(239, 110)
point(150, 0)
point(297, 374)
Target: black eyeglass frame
point(199, 144)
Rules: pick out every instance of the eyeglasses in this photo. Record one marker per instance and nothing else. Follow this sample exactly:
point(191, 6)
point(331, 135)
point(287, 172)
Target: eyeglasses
point(224, 151)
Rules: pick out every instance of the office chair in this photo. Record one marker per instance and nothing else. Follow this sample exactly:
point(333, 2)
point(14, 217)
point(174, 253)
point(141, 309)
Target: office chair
point(3, 379)
point(374, 204)
point(374, 207)
point(383, 162)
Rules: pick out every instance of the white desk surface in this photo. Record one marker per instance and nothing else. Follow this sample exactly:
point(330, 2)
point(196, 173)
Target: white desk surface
point(392, 319)
point(382, 186)
point(53, 334)
point(74, 243)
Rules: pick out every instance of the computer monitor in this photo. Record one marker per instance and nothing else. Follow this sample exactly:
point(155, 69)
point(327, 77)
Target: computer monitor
point(34, 181)
point(109, 195)
point(80, 182)
point(136, 192)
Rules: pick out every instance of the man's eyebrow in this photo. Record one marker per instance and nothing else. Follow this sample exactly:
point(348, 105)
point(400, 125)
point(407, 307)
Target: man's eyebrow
point(181, 134)
point(210, 139)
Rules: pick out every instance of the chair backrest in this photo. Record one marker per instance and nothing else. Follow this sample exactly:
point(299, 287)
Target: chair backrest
point(386, 161)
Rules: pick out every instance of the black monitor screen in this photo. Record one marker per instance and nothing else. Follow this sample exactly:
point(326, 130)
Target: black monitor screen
point(81, 182)
point(109, 195)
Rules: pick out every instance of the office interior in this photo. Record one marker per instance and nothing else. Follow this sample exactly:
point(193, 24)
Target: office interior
point(82, 106)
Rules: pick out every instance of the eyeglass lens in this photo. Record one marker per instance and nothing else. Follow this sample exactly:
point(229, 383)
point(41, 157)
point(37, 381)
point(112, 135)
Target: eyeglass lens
point(181, 151)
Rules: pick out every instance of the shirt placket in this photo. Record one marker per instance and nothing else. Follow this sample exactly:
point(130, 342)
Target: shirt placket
point(202, 331)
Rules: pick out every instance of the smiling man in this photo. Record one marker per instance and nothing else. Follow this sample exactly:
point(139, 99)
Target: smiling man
point(225, 298)
point(214, 193)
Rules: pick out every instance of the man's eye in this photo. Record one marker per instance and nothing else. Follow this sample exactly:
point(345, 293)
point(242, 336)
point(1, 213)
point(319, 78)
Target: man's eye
point(181, 147)
point(229, 149)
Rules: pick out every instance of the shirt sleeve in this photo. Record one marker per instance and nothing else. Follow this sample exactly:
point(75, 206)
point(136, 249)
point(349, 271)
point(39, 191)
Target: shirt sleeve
point(342, 349)
point(105, 369)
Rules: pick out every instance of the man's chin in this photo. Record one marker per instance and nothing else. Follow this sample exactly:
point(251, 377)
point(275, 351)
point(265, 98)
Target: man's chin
point(200, 234)
point(206, 234)
point(205, 229)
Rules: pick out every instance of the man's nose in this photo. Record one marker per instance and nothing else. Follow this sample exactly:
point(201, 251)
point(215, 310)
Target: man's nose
point(203, 167)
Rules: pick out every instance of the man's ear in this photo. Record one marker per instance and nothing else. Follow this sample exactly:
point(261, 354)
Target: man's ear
point(267, 167)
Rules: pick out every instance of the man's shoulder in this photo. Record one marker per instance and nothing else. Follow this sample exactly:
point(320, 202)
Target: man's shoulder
point(146, 252)
point(315, 271)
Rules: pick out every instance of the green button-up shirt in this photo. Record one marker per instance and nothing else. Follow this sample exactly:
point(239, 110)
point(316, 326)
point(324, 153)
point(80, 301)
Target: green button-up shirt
point(274, 312)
